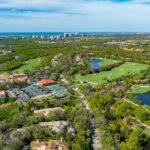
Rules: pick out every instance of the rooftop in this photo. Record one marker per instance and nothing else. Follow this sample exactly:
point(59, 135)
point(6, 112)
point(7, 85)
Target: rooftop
point(83, 81)
point(59, 126)
point(18, 74)
point(50, 145)
point(2, 91)
point(23, 79)
point(3, 77)
point(46, 81)
point(47, 110)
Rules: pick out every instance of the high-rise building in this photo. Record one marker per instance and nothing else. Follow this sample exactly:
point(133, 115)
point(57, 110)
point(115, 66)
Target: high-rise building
point(71, 34)
point(66, 35)
point(76, 34)
point(52, 37)
point(58, 37)
point(42, 36)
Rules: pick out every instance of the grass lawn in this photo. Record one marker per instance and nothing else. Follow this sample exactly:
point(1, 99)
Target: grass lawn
point(140, 89)
point(91, 84)
point(145, 131)
point(106, 62)
point(125, 69)
point(29, 64)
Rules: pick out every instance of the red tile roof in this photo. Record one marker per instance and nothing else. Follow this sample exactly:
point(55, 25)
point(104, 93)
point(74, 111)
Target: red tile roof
point(83, 81)
point(1, 91)
point(12, 80)
point(4, 77)
point(23, 79)
point(47, 81)
point(18, 74)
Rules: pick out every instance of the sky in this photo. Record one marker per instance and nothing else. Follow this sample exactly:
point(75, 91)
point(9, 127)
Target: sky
point(74, 15)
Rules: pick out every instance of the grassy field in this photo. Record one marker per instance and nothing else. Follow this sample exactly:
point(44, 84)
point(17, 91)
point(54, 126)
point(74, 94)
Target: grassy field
point(29, 64)
point(125, 69)
point(106, 62)
point(140, 89)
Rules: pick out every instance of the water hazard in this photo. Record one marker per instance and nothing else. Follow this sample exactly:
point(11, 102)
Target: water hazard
point(144, 97)
point(95, 63)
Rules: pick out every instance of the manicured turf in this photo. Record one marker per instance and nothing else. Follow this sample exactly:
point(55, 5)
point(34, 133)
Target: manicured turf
point(145, 131)
point(140, 89)
point(29, 64)
point(125, 69)
point(106, 62)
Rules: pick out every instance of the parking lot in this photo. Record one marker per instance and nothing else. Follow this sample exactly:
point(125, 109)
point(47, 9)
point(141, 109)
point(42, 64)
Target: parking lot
point(20, 95)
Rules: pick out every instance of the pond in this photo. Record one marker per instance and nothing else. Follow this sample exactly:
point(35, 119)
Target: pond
point(16, 57)
point(7, 46)
point(144, 97)
point(95, 63)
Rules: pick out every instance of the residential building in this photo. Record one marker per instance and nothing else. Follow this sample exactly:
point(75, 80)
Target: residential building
point(23, 79)
point(4, 77)
point(46, 82)
point(3, 93)
point(14, 77)
point(59, 126)
point(18, 75)
point(78, 58)
point(50, 145)
point(47, 110)
point(83, 81)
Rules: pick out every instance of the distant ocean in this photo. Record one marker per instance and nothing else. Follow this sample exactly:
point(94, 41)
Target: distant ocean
point(6, 34)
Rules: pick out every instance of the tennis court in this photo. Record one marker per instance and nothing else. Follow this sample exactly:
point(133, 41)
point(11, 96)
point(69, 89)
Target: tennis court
point(34, 91)
point(55, 88)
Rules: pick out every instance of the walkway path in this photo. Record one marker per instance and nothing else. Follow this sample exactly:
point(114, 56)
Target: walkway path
point(131, 117)
point(95, 137)
point(94, 131)
point(130, 102)
point(139, 121)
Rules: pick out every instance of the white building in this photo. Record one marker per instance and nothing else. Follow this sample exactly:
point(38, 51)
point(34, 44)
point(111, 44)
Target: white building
point(71, 34)
point(42, 37)
point(33, 36)
point(36, 36)
point(58, 37)
point(2, 93)
point(76, 34)
point(66, 35)
point(52, 37)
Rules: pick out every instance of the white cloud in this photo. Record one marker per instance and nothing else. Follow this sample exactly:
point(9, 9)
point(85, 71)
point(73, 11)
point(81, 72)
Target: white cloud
point(78, 15)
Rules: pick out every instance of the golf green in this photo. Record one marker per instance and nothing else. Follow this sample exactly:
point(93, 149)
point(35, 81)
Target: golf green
point(123, 70)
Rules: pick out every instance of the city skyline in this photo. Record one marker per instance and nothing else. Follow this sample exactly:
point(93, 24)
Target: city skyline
point(78, 16)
